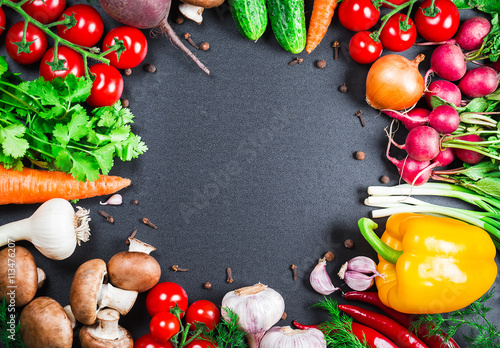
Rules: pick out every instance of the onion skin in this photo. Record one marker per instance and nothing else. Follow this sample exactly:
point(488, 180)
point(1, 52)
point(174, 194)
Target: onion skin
point(394, 82)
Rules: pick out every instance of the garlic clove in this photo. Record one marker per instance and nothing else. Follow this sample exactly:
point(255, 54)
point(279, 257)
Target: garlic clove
point(358, 281)
point(361, 264)
point(115, 199)
point(320, 280)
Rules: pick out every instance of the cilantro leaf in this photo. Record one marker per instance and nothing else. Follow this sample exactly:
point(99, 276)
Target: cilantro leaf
point(3, 65)
point(488, 6)
point(84, 167)
point(13, 143)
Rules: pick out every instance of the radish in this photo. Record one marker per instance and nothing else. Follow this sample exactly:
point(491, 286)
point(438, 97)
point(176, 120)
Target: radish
point(448, 62)
point(445, 157)
point(411, 119)
point(445, 90)
point(422, 143)
point(479, 82)
point(146, 14)
point(444, 118)
point(469, 156)
point(411, 171)
point(496, 65)
point(469, 36)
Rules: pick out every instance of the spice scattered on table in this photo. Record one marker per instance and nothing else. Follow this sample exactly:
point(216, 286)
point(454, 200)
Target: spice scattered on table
point(336, 48)
point(207, 286)
point(296, 60)
point(294, 272)
point(229, 273)
point(349, 243)
point(149, 223)
point(150, 68)
point(135, 202)
point(188, 38)
point(108, 217)
point(132, 235)
point(359, 113)
point(176, 268)
point(360, 155)
point(384, 179)
point(127, 72)
point(204, 46)
point(321, 64)
point(343, 88)
point(329, 256)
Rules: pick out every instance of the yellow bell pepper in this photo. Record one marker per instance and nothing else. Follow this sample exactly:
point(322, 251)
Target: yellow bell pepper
point(431, 264)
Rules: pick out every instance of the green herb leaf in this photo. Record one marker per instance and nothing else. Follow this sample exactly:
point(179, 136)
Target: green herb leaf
point(228, 333)
point(488, 6)
point(9, 333)
point(13, 144)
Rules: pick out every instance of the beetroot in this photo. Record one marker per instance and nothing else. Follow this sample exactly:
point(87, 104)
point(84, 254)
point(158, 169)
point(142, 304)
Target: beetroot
point(445, 90)
point(448, 62)
point(479, 82)
point(411, 119)
point(146, 14)
point(469, 156)
point(444, 118)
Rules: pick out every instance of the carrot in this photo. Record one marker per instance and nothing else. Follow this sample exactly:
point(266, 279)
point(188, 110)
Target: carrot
point(37, 186)
point(321, 18)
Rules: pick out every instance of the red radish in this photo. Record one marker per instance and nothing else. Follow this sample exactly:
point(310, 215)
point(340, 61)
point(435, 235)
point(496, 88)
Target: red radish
point(146, 14)
point(445, 90)
point(444, 158)
point(496, 65)
point(448, 62)
point(469, 156)
point(411, 119)
point(444, 118)
point(422, 143)
point(479, 82)
point(469, 36)
point(411, 171)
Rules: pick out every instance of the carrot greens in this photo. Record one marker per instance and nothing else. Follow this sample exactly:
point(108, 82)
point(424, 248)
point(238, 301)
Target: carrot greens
point(47, 124)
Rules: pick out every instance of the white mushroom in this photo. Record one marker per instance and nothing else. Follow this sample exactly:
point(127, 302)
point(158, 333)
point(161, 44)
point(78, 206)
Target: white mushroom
point(193, 9)
point(106, 333)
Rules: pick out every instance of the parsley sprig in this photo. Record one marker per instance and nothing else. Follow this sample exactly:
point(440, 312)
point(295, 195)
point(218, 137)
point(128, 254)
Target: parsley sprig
point(9, 335)
point(228, 333)
point(47, 123)
point(477, 330)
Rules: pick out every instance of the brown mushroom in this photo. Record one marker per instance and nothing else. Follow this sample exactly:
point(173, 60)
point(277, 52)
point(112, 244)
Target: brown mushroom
point(134, 269)
point(89, 293)
point(45, 324)
point(204, 3)
point(106, 333)
point(193, 9)
point(19, 276)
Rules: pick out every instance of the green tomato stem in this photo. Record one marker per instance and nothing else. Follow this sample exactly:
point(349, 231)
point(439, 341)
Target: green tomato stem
point(395, 9)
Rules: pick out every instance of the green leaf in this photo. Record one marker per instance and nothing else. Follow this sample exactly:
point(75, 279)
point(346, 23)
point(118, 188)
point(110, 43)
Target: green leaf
point(79, 88)
point(3, 65)
point(107, 118)
point(55, 112)
point(12, 141)
point(76, 126)
point(84, 167)
point(104, 157)
point(61, 133)
point(477, 105)
point(63, 161)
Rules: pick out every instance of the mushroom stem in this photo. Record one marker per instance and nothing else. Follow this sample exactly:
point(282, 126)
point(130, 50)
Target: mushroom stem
point(41, 277)
point(70, 315)
point(116, 298)
point(107, 325)
point(137, 245)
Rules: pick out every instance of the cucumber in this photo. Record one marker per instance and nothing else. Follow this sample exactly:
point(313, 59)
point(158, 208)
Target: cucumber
point(288, 22)
point(250, 17)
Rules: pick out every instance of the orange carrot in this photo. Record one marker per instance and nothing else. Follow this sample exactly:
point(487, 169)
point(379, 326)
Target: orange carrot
point(321, 18)
point(37, 186)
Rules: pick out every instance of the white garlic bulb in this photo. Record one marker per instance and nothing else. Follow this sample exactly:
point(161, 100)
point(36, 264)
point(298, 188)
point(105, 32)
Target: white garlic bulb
point(286, 337)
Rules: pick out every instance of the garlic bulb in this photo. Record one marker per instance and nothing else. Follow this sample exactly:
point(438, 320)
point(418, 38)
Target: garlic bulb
point(258, 308)
point(320, 280)
point(54, 229)
point(286, 337)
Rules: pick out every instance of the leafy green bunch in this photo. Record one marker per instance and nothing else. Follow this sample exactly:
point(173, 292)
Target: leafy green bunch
point(47, 124)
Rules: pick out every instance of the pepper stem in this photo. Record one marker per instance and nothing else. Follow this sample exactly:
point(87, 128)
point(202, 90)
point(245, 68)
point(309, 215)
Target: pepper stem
point(366, 226)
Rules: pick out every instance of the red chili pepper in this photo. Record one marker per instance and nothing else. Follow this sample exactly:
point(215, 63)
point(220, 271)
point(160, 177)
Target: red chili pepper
point(363, 333)
point(440, 340)
point(385, 325)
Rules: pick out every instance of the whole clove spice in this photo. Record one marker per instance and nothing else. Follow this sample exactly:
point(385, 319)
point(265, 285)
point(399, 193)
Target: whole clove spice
point(108, 217)
point(132, 235)
point(294, 272)
point(149, 223)
point(359, 113)
point(176, 268)
point(283, 316)
point(336, 48)
point(229, 273)
point(188, 38)
point(296, 60)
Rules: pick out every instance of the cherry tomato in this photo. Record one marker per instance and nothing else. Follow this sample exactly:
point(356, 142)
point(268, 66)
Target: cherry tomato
point(440, 27)
point(107, 87)
point(33, 34)
point(147, 341)
point(394, 38)
point(45, 11)
point(3, 21)
point(363, 49)
point(73, 63)
point(203, 311)
point(89, 28)
point(135, 43)
point(358, 15)
point(163, 326)
point(200, 344)
point(164, 296)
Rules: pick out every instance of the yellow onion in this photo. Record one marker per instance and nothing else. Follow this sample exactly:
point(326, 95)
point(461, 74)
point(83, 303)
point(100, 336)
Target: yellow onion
point(394, 82)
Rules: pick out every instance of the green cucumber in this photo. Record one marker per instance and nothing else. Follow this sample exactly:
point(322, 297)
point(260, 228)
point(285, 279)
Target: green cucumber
point(250, 17)
point(288, 22)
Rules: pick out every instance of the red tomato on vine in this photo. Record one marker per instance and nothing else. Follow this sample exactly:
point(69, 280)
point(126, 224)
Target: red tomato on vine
point(107, 87)
point(3, 21)
point(397, 35)
point(88, 29)
point(363, 48)
point(438, 23)
point(164, 296)
point(205, 312)
point(136, 46)
point(45, 11)
point(358, 15)
point(73, 63)
point(147, 341)
point(35, 45)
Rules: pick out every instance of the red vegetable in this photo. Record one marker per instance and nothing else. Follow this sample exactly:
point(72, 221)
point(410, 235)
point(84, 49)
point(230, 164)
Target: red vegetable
point(437, 20)
point(107, 87)
point(73, 62)
point(373, 338)
point(135, 43)
point(88, 29)
point(363, 48)
point(36, 42)
point(435, 341)
point(385, 325)
point(3, 20)
point(45, 11)
point(397, 35)
point(358, 15)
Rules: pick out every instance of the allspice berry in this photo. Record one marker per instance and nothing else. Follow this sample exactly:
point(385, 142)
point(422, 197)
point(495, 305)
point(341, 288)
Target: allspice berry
point(349, 243)
point(329, 256)
point(207, 286)
point(321, 64)
point(343, 88)
point(384, 179)
point(150, 68)
point(360, 155)
point(125, 103)
point(204, 46)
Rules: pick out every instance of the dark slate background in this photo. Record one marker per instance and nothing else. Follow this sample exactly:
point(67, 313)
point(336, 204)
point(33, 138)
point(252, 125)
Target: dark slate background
point(251, 168)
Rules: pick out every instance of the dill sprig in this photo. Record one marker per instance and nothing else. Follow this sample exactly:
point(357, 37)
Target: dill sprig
point(228, 333)
point(338, 331)
point(7, 337)
point(477, 330)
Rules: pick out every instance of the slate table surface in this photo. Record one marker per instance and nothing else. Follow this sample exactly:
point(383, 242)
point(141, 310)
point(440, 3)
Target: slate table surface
point(251, 168)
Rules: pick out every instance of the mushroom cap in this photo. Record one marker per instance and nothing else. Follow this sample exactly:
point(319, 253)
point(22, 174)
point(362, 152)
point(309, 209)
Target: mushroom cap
point(90, 335)
point(19, 270)
point(134, 270)
point(45, 324)
point(204, 3)
point(85, 289)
